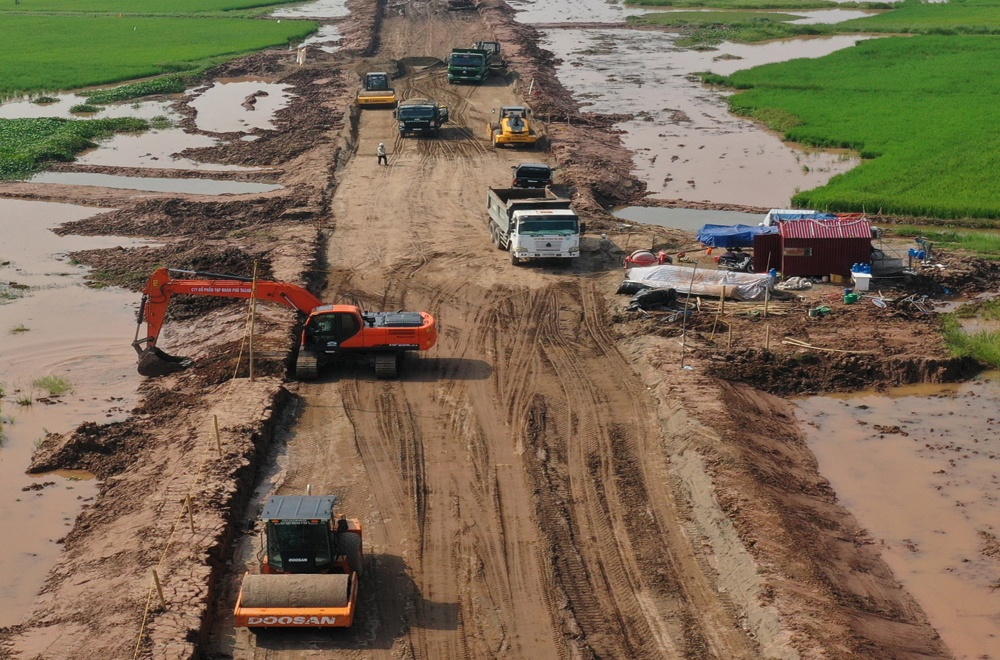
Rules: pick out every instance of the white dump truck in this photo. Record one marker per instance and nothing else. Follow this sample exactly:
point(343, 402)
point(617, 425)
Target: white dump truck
point(533, 223)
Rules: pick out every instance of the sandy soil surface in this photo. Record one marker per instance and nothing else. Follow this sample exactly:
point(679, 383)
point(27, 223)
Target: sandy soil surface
point(554, 479)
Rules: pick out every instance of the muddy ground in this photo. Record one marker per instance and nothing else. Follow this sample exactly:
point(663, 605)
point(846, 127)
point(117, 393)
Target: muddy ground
point(555, 479)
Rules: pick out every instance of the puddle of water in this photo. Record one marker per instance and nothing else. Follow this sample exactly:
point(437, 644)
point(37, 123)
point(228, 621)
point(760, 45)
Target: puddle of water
point(221, 108)
point(688, 146)
point(155, 149)
point(615, 11)
point(327, 39)
point(25, 109)
point(152, 184)
point(58, 327)
point(828, 16)
point(920, 470)
point(686, 219)
point(317, 9)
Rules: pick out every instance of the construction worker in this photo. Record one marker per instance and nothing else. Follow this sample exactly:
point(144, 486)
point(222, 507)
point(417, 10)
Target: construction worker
point(383, 158)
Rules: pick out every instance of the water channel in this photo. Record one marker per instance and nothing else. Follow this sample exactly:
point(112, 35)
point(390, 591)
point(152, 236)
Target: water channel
point(919, 467)
point(51, 324)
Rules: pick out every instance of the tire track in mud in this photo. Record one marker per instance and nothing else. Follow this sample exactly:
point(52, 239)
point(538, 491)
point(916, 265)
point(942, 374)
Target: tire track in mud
point(606, 544)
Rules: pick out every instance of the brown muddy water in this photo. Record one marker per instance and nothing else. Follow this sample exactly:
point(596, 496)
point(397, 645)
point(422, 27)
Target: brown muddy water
point(51, 324)
point(687, 144)
point(239, 106)
point(919, 467)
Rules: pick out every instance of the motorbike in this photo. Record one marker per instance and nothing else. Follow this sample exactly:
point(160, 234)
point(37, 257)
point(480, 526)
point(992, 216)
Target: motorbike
point(740, 262)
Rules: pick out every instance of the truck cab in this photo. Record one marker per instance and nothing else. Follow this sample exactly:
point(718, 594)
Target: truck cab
point(421, 116)
point(468, 65)
point(532, 175)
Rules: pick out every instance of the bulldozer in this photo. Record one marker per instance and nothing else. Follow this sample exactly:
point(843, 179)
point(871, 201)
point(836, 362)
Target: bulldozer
point(310, 570)
point(377, 92)
point(514, 127)
point(329, 331)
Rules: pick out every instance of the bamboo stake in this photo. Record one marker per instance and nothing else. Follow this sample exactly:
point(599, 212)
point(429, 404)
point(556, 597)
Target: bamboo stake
point(159, 589)
point(218, 436)
point(253, 314)
point(767, 337)
point(729, 343)
point(687, 309)
point(718, 312)
point(190, 508)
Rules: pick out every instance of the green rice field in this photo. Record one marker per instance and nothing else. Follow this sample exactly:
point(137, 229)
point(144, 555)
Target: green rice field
point(920, 109)
point(72, 44)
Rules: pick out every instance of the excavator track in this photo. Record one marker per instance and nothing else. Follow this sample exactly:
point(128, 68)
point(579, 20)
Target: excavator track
point(306, 366)
point(387, 365)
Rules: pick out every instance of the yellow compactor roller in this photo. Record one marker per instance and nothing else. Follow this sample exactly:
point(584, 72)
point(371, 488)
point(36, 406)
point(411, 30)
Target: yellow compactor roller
point(310, 569)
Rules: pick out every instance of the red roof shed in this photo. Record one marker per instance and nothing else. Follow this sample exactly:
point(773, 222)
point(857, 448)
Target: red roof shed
point(813, 248)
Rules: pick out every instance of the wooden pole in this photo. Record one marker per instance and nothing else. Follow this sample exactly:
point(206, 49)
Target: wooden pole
point(218, 436)
point(767, 337)
point(253, 315)
point(767, 299)
point(687, 309)
point(159, 589)
point(729, 343)
point(722, 305)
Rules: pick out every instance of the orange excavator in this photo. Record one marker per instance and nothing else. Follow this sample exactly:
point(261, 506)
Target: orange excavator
point(311, 566)
point(329, 330)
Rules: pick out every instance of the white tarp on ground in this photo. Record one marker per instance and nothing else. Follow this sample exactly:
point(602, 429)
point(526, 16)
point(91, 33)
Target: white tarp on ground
point(741, 286)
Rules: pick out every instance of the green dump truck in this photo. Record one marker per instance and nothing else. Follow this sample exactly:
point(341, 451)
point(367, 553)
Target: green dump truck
point(468, 65)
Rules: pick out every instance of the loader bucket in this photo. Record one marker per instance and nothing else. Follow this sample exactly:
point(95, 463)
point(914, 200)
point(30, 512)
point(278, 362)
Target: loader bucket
point(297, 601)
point(154, 362)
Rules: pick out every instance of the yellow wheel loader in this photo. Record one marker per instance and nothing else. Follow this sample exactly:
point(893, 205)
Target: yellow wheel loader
point(311, 566)
point(514, 127)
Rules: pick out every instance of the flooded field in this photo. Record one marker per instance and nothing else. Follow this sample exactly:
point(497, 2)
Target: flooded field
point(51, 325)
point(688, 145)
point(920, 469)
point(686, 219)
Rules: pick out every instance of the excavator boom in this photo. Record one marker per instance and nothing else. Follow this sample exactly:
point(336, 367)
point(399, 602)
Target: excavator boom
point(161, 287)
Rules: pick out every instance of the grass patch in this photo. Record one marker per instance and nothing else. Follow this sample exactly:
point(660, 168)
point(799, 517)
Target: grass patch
point(26, 145)
point(919, 110)
point(983, 244)
point(47, 57)
point(24, 400)
point(17, 330)
point(54, 385)
point(121, 6)
point(170, 84)
point(983, 346)
point(85, 108)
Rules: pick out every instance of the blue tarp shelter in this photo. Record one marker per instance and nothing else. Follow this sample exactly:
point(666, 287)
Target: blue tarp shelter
point(727, 236)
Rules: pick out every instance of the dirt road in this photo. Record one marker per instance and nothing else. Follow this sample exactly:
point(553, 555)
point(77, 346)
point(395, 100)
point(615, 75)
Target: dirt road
point(546, 482)
point(510, 482)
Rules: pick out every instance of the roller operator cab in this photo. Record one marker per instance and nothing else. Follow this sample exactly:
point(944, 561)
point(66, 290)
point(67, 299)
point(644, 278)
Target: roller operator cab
point(421, 117)
point(311, 568)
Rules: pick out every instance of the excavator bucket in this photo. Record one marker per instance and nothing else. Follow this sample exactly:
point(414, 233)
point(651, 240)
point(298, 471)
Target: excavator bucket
point(297, 601)
point(154, 362)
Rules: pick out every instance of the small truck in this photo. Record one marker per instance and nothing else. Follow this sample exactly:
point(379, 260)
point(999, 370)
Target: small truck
point(531, 175)
point(420, 116)
point(533, 223)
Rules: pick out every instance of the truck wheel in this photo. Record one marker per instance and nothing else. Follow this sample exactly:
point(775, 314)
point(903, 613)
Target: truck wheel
point(514, 261)
point(387, 365)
